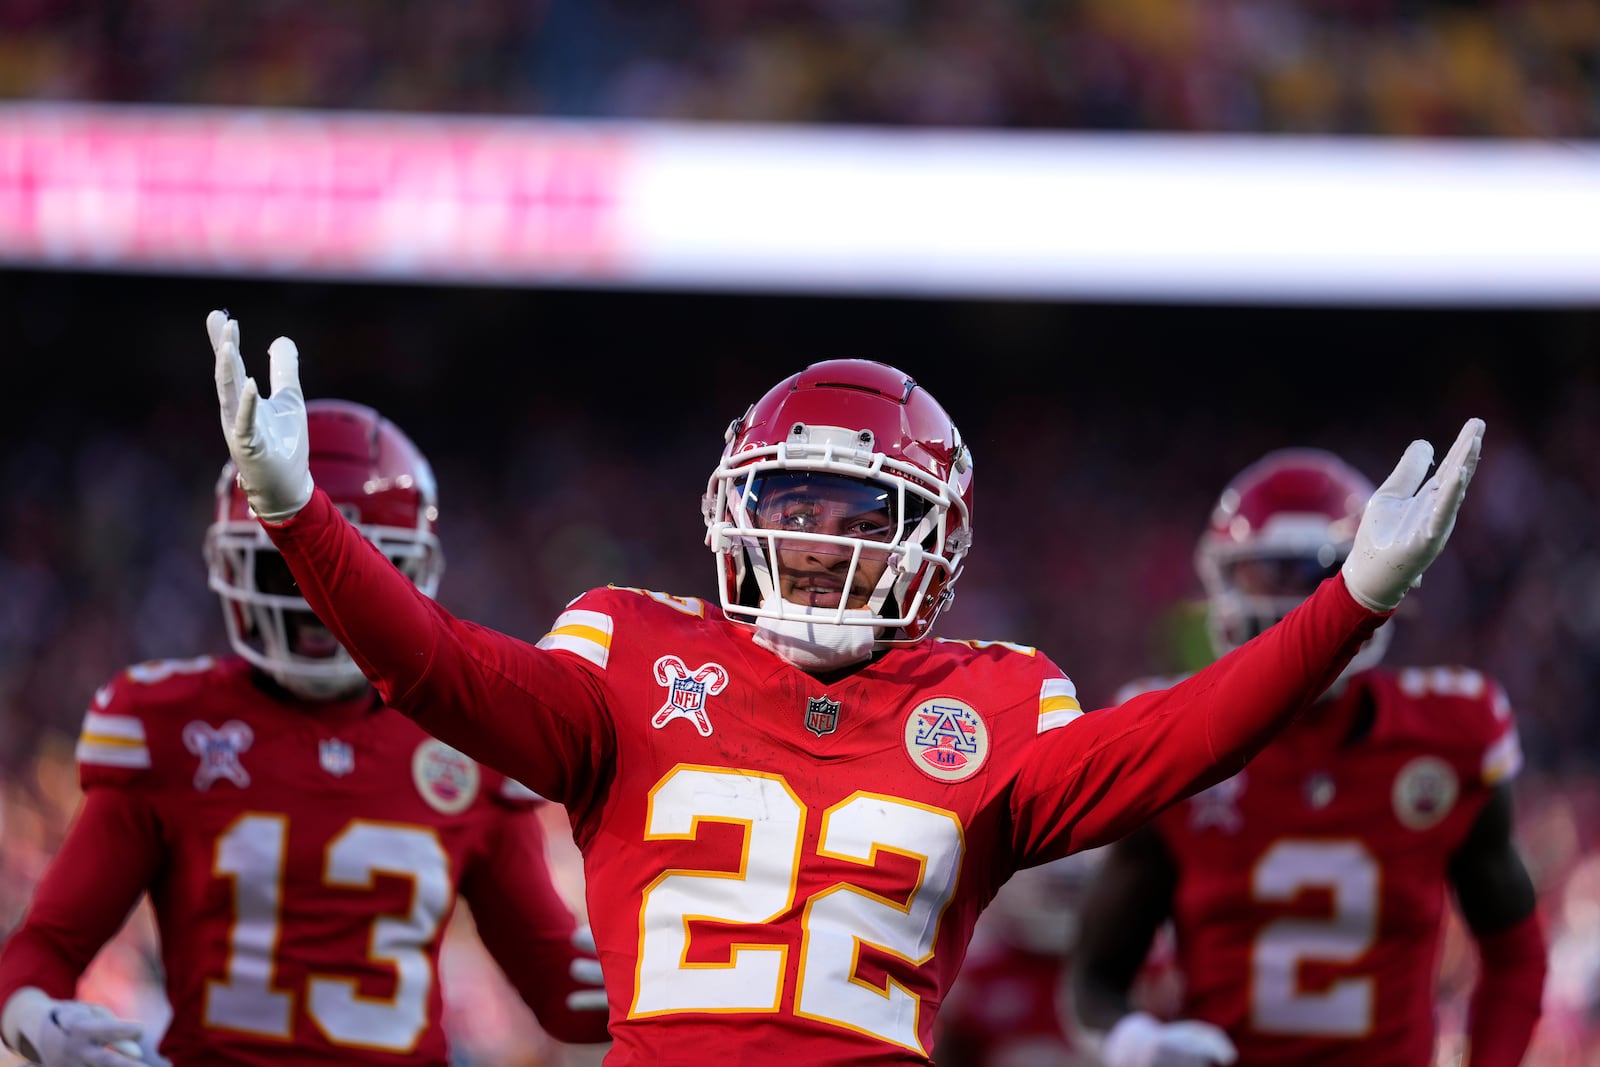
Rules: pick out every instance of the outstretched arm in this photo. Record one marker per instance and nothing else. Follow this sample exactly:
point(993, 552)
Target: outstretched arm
point(535, 716)
point(1103, 774)
point(1498, 902)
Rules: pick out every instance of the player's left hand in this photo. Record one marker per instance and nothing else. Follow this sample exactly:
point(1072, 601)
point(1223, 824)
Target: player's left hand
point(266, 437)
point(1404, 527)
point(586, 971)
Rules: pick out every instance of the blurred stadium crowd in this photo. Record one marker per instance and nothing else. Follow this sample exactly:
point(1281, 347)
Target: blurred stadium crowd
point(1500, 68)
point(101, 518)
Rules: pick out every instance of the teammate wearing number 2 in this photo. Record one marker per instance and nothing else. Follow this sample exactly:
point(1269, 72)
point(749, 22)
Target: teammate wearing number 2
point(1307, 891)
point(302, 844)
point(792, 803)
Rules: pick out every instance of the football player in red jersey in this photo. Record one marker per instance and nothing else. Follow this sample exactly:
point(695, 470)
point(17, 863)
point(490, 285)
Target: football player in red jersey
point(792, 804)
point(303, 844)
point(1307, 892)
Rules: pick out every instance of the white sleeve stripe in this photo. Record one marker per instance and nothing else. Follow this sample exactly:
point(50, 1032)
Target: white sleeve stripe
point(1052, 719)
point(127, 727)
point(592, 651)
point(134, 756)
point(595, 620)
point(1057, 687)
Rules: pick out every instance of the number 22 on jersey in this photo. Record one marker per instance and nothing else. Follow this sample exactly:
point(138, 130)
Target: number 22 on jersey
point(835, 919)
point(251, 853)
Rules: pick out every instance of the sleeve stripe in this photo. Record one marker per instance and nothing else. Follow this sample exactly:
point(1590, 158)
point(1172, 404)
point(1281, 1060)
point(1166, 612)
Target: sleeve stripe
point(1058, 703)
point(586, 634)
point(110, 741)
point(123, 754)
point(1503, 759)
point(102, 726)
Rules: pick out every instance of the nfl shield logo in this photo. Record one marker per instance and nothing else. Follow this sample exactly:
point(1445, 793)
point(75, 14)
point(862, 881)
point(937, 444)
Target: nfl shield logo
point(822, 715)
point(336, 757)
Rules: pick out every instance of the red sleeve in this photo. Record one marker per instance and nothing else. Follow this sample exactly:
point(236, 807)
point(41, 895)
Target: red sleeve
point(1506, 1000)
point(1095, 779)
point(108, 858)
point(527, 927)
point(536, 716)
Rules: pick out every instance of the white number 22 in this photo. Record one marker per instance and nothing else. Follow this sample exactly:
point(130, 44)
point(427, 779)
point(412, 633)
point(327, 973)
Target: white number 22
point(836, 919)
point(1348, 872)
point(251, 854)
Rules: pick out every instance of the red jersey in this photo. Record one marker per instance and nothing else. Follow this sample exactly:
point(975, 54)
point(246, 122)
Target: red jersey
point(302, 861)
point(783, 867)
point(1311, 888)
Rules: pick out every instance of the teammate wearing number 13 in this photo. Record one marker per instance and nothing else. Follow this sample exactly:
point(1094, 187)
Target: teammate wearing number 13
point(302, 843)
point(792, 804)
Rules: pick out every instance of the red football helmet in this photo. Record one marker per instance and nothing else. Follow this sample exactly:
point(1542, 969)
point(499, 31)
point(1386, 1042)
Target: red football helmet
point(847, 428)
point(378, 480)
point(1284, 523)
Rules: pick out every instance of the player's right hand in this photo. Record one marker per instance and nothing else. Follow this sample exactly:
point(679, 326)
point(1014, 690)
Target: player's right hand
point(1141, 1040)
point(266, 437)
point(68, 1033)
point(585, 970)
point(1403, 528)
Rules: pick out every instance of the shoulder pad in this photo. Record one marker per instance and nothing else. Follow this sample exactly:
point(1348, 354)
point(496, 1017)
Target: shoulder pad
point(113, 745)
point(586, 627)
point(1471, 709)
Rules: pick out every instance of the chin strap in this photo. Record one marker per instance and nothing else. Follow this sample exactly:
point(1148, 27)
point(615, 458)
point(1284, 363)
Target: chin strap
point(818, 646)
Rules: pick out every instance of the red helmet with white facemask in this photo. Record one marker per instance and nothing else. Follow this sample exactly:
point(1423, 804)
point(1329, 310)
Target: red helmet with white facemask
point(381, 482)
point(1283, 525)
point(855, 469)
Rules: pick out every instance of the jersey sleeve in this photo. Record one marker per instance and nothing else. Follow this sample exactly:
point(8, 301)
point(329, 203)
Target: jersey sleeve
point(527, 928)
point(536, 714)
point(1098, 776)
point(108, 858)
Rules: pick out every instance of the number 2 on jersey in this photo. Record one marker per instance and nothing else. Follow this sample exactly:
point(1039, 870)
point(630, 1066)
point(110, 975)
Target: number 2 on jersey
point(835, 920)
point(250, 853)
point(1349, 874)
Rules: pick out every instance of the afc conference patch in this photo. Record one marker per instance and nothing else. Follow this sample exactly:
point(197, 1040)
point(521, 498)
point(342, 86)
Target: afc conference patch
point(946, 739)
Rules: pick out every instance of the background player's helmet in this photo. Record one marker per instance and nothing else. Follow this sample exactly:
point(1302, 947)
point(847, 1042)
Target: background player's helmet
point(377, 479)
point(870, 424)
point(1283, 525)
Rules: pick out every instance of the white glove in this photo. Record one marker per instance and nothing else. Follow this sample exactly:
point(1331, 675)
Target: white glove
point(267, 438)
point(67, 1033)
point(586, 971)
point(1141, 1040)
point(1402, 529)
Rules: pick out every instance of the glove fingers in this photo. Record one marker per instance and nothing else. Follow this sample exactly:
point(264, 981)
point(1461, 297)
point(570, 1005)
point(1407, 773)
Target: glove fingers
point(583, 940)
point(215, 323)
point(107, 1057)
point(106, 1029)
point(586, 971)
point(284, 372)
point(1462, 459)
point(244, 420)
point(587, 1000)
point(1409, 472)
point(229, 374)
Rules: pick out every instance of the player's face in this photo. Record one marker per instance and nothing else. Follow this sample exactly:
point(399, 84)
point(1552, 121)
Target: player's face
point(813, 573)
point(306, 634)
point(1291, 576)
